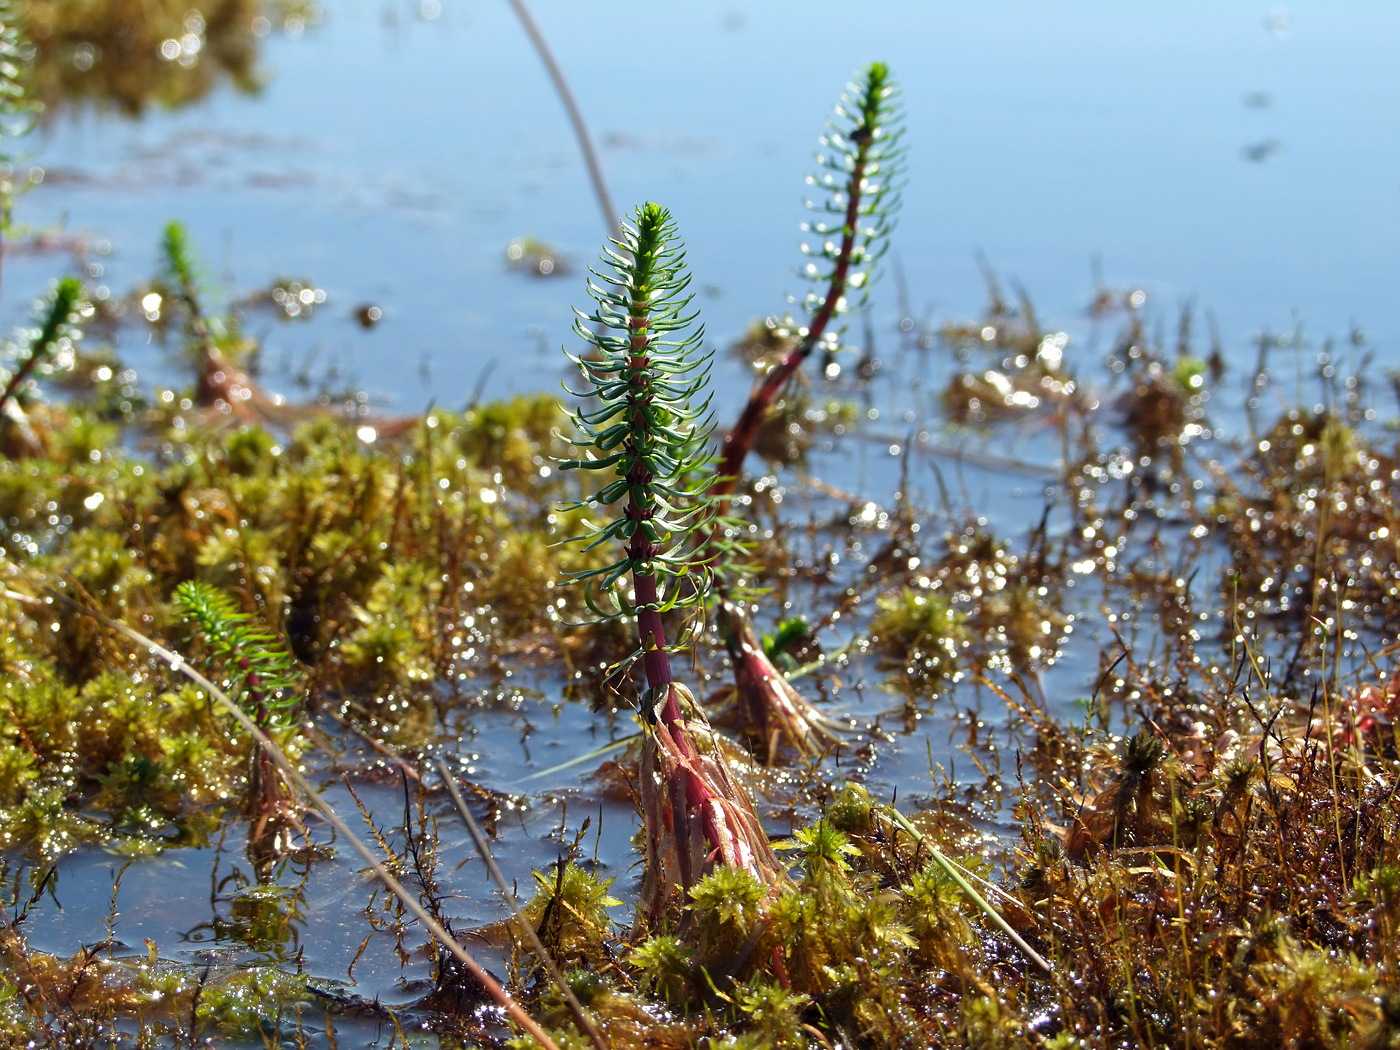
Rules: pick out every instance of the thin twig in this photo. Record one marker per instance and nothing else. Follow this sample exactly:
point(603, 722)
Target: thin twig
point(180, 666)
point(527, 929)
point(566, 96)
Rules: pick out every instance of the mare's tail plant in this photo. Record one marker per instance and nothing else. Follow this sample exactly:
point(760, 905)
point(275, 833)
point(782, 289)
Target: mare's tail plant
point(18, 107)
point(58, 328)
point(222, 384)
point(262, 675)
point(767, 708)
point(644, 426)
point(859, 184)
point(180, 273)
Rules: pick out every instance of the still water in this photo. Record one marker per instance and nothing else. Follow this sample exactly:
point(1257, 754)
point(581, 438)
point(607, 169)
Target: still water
point(1241, 157)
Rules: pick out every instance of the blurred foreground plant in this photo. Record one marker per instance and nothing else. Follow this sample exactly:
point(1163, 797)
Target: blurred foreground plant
point(58, 329)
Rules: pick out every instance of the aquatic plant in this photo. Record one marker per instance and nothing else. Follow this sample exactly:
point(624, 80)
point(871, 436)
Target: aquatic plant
point(255, 664)
point(1224, 878)
point(859, 185)
point(767, 706)
point(259, 671)
point(58, 323)
point(18, 107)
point(215, 346)
point(58, 328)
point(643, 423)
point(1209, 877)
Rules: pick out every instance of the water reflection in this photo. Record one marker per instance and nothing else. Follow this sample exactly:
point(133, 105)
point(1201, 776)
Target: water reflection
point(130, 55)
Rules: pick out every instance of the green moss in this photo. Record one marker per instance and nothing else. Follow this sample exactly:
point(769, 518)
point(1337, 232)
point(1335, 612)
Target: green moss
point(664, 968)
point(1187, 879)
point(852, 810)
point(771, 1014)
point(920, 632)
point(570, 913)
point(727, 905)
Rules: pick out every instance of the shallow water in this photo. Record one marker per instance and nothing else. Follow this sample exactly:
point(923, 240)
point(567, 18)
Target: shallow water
point(1243, 159)
point(391, 158)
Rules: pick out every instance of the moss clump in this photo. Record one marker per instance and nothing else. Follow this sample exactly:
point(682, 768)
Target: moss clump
point(149, 758)
point(380, 562)
point(112, 53)
point(921, 633)
point(570, 914)
point(88, 999)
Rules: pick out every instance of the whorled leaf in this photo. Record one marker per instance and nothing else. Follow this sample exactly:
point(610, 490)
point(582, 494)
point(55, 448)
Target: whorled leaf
point(637, 426)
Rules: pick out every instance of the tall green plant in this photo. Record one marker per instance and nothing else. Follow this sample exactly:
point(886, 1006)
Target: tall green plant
point(639, 422)
point(857, 189)
point(18, 107)
point(857, 196)
point(58, 323)
point(643, 425)
point(213, 343)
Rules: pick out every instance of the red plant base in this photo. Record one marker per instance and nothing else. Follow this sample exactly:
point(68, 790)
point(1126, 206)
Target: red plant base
point(274, 818)
point(767, 707)
point(696, 815)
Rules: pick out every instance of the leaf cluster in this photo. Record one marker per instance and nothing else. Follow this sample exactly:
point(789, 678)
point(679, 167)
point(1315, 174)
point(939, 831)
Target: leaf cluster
point(638, 423)
point(251, 656)
point(861, 156)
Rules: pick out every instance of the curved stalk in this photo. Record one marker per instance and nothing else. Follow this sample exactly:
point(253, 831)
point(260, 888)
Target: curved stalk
point(864, 140)
point(571, 107)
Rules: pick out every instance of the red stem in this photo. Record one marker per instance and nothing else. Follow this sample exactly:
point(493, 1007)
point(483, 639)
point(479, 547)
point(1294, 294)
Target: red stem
point(740, 438)
point(640, 549)
point(687, 793)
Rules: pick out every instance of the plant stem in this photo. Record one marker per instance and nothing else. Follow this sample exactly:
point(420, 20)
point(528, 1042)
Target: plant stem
point(740, 438)
point(566, 96)
point(650, 630)
point(687, 793)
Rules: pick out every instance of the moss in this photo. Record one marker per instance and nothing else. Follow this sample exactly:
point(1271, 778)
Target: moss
point(922, 633)
point(120, 743)
point(1202, 876)
point(108, 52)
point(251, 1003)
point(727, 907)
point(664, 968)
point(771, 1015)
point(570, 913)
point(852, 810)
